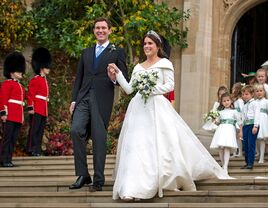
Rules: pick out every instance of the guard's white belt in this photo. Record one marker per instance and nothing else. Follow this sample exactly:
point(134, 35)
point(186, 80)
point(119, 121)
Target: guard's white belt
point(42, 97)
point(16, 102)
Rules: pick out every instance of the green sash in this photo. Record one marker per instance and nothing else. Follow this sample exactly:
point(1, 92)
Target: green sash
point(228, 121)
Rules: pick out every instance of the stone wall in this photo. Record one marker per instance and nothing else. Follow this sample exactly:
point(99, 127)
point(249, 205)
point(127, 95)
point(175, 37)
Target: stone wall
point(206, 63)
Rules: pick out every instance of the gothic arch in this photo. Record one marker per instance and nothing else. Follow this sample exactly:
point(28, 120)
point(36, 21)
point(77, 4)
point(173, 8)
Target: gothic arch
point(234, 10)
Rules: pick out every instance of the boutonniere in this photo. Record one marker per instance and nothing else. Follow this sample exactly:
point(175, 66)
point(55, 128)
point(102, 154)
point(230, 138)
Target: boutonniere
point(112, 47)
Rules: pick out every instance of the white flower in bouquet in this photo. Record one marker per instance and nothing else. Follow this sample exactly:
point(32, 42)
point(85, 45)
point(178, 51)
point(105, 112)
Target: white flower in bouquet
point(211, 115)
point(144, 83)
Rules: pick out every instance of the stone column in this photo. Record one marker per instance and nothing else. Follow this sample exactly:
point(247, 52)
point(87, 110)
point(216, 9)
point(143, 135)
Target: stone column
point(195, 69)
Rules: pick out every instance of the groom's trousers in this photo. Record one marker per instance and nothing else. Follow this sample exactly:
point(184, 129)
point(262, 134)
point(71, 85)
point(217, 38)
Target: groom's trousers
point(87, 121)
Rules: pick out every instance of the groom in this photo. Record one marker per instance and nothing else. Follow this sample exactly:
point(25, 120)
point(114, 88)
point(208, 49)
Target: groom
point(92, 102)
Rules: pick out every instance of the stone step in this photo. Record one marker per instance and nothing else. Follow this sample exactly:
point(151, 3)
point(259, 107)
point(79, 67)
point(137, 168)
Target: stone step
point(134, 205)
point(109, 163)
point(69, 174)
point(55, 160)
point(45, 180)
point(230, 196)
point(68, 157)
point(63, 186)
point(8, 172)
point(48, 168)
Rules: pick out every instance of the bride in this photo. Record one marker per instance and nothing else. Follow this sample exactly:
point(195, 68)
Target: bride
point(156, 148)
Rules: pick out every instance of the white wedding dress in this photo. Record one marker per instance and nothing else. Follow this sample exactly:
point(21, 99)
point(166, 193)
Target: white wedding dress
point(156, 148)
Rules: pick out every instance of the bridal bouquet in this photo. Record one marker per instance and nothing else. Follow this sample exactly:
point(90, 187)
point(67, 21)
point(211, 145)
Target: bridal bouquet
point(210, 119)
point(144, 83)
point(211, 115)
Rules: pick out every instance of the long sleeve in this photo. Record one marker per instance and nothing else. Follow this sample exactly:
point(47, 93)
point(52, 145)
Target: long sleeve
point(32, 88)
point(168, 84)
point(78, 78)
point(5, 94)
point(256, 114)
point(127, 86)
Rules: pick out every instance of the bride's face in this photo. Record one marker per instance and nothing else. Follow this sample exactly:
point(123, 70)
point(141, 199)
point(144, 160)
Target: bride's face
point(149, 47)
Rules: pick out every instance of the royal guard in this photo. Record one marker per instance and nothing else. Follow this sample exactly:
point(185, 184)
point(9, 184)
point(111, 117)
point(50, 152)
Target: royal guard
point(12, 96)
point(37, 100)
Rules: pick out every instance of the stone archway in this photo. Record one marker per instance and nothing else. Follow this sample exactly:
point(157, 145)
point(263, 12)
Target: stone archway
point(249, 42)
point(234, 10)
point(206, 63)
point(226, 14)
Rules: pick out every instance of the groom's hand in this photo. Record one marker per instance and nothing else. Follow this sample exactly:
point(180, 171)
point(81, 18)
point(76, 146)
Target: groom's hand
point(71, 109)
point(111, 75)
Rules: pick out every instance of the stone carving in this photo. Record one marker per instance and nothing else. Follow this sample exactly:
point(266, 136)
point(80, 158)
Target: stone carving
point(229, 3)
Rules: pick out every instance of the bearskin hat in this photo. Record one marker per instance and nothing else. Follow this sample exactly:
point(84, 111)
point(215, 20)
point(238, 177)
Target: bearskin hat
point(41, 59)
point(14, 62)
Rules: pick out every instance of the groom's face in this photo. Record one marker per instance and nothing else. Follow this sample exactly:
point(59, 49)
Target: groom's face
point(102, 32)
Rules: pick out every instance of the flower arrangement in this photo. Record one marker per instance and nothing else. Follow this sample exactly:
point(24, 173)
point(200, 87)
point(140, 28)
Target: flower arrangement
point(58, 144)
point(112, 48)
point(211, 115)
point(144, 83)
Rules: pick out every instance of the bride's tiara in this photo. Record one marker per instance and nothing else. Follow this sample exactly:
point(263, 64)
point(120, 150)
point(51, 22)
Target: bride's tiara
point(151, 32)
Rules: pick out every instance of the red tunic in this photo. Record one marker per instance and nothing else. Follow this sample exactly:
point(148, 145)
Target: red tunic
point(37, 96)
point(170, 96)
point(12, 95)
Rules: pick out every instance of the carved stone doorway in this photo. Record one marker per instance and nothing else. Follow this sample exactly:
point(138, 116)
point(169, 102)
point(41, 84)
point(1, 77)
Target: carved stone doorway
point(249, 42)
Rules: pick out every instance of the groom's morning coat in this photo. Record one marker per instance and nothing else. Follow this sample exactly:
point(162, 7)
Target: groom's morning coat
point(92, 73)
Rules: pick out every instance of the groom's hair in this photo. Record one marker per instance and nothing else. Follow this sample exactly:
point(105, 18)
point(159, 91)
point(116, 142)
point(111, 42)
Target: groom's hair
point(103, 19)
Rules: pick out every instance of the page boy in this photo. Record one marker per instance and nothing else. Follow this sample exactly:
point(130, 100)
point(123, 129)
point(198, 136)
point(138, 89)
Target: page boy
point(250, 116)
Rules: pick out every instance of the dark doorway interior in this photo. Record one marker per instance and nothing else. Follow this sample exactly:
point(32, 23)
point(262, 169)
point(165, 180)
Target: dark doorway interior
point(250, 42)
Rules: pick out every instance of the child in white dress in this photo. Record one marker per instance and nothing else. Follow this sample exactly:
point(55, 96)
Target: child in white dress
point(261, 77)
point(238, 105)
point(210, 124)
point(263, 125)
point(224, 138)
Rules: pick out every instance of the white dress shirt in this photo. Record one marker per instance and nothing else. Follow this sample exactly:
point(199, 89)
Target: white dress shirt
point(251, 110)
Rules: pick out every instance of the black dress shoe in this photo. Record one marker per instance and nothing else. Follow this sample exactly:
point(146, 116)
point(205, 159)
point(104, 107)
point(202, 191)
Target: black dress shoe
point(95, 187)
point(80, 182)
point(8, 165)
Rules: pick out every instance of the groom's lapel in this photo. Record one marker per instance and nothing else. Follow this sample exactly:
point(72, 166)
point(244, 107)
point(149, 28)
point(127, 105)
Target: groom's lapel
point(91, 56)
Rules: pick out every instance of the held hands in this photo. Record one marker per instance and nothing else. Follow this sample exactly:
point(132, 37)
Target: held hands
point(112, 70)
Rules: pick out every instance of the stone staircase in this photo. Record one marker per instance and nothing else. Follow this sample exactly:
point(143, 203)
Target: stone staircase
point(43, 182)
